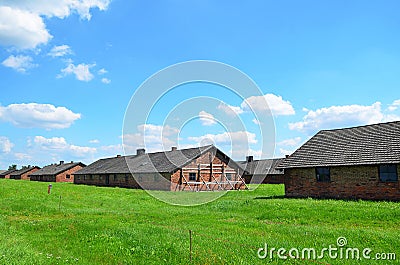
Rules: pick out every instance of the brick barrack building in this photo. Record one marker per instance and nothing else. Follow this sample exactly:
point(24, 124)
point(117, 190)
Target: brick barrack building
point(351, 163)
point(203, 168)
point(61, 172)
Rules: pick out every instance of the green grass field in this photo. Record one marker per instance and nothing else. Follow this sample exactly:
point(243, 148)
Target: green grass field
point(97, 225)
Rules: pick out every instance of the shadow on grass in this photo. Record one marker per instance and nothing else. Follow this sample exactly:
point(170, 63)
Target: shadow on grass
point(270, 197)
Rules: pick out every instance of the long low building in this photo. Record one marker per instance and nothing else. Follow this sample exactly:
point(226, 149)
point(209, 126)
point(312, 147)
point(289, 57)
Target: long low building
point(262, 171)
point(204, 168)
point(62, 172)
point(6, 174)
point(24, 173)
point(351, 163)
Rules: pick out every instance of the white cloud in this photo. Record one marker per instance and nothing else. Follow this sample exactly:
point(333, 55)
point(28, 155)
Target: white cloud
point(22, 22)
point(22, 156)
point(255, 121)
point(234, 138)
point(81, 71)
point(151, 137)
point(34, 115)
point(341, 116)
point(394, 106)
point(94, 141)
point(21, 28)
point(19, 63)
point(105, 80)
point(60, 146)
point(206, 118)
point(230, 110)
point(5, 144)
point(290, 142)
point(102, 71)
point(60, 51)
point(284, 152)
point(276, 104)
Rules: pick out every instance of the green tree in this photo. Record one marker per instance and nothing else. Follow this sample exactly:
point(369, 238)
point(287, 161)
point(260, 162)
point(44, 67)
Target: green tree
point(12, 167)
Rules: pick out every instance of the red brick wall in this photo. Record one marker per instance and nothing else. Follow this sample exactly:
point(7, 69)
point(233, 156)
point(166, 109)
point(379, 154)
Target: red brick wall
point(62, 177)
point(347, 182)
point(25, 176)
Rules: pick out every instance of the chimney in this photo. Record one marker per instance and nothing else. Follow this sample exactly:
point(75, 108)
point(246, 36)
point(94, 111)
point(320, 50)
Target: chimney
point(174, 148)
point(249, 158)
point(286, 156)
point(118, 155)
point(61, 162)
point(141, 151)
point(72, 162)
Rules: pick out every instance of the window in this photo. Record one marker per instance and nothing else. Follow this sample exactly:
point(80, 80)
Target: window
point(192, 176)
point(323, 174)
point(228, 176)
point(388, 173)
point(68, 176)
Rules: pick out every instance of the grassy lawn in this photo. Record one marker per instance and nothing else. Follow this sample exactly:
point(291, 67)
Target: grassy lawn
point(120, 226)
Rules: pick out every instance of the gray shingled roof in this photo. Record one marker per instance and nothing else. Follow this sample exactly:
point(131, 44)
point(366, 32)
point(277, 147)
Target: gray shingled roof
point(56, 169)
point(161, 162)
point(7, 172)
point(262, 167)
point(23, 171)
point(363, 145)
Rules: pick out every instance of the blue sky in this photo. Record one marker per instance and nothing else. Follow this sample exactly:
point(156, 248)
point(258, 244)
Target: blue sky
point(69, 69)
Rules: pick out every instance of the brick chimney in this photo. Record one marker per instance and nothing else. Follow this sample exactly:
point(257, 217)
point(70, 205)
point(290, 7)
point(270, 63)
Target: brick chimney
point(118, 155)
point(249, 158)
point(141, 151)
point(174, 148)
point(61, 162)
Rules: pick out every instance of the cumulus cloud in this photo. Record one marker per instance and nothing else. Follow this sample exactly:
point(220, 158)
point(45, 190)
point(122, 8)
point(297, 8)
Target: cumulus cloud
point(151, 137)
point(21, 28)
point(81, 71)
point(19, 63)
point(60, 51)
point(230, 110)
point(59, 145)
point(105, 81)
point(206, 118)
point(102, 71)
point(22, 22)
point(276, 104)
point(94, 141)
point(341, 116)
point(395, 105)
point(5, 144)
point(234, 138)
point(290, 142)
point(34, 115)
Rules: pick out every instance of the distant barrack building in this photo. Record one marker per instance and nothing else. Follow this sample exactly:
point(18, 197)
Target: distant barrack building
point(23, 174)
point(61, 172)
point(262, 171)
point(203, 168)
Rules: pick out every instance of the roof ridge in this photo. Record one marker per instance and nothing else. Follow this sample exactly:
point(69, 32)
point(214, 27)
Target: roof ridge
point(359, 126)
